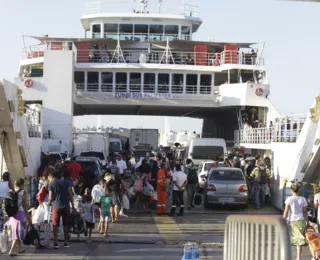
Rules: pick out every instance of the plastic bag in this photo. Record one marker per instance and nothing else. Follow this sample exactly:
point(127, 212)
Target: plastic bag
point(39, 215)
point(148, 190)
point(132, 192)
point(125, 202)
point(4, 242)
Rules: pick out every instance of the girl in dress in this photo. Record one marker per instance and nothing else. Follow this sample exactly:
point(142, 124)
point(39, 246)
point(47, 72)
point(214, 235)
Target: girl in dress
point(89, 216)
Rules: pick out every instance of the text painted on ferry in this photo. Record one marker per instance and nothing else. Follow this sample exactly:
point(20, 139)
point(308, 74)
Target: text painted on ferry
point(140, 95)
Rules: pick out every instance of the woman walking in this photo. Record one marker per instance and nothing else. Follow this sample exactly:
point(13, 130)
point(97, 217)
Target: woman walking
point(17, 225)
point(297, 205)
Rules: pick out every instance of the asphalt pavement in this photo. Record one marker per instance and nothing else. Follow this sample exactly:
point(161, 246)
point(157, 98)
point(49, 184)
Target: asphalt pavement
point(148, 236)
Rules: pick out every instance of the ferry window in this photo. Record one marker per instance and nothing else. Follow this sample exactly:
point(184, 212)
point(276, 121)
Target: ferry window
point(135, 82)
point(185, 32)
point(93, 81)
point(141, 28)
point(107, 81)
point(79, 79)
point(205, 84)
point(111, 28)
point(141, 32)
point(96, 31)
point(163, 83)
point(177, 83)
point(156, 32)
point(126, 31)
point(111, 31)
point(192, 83)
point(121, 82)
point(149, 82)
point(171, 32)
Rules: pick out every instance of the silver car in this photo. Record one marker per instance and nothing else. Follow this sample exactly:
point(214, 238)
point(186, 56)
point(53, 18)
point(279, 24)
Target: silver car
point(226, 186)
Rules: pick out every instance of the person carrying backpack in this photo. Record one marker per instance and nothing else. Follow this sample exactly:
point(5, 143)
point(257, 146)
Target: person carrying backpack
point(261, 175)
point(17, 209)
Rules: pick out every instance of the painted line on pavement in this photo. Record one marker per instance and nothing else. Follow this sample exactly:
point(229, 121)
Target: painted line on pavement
point(168, 228)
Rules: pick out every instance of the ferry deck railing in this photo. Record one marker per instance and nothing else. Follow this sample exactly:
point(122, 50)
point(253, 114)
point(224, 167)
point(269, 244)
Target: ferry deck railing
point(284, 130)
point(256, 237)
point(177, 57)
point(141, 37)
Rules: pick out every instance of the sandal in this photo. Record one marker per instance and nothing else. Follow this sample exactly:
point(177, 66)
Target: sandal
point(106, 235)
point(13, 254)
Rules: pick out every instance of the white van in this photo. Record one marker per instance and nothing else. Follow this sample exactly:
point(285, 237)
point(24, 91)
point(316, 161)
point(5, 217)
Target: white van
point(203, 149)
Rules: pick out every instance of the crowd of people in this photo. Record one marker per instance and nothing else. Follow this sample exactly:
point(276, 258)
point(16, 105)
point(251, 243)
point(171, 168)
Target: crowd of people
point(67, 193)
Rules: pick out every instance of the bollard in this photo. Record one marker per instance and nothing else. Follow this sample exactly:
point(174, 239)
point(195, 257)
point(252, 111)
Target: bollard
point(191, 251)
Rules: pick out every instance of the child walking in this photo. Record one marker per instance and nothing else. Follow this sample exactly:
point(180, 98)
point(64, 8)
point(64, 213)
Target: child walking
point(89, 216)
point(107, 210)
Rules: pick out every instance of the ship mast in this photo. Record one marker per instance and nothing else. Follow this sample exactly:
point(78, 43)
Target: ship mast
point(142, 6)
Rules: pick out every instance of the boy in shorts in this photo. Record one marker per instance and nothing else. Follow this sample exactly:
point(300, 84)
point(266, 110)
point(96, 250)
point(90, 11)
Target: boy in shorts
point(107, 210)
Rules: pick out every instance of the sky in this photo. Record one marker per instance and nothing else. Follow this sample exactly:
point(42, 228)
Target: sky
point(290, 31)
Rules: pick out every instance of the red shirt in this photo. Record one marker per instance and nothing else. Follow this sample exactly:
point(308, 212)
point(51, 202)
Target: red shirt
point(74, 169)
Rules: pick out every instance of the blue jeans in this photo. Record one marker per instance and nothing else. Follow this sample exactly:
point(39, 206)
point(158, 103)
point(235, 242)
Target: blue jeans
point(260, 194)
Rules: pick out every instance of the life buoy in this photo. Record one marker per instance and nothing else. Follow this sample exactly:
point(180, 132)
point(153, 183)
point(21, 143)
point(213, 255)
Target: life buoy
point(28, 83)
point(259, 92)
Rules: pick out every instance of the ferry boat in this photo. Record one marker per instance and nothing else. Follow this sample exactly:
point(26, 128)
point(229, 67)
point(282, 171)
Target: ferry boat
point(145, 63)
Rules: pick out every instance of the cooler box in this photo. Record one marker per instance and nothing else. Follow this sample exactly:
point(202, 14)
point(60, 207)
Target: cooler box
point(201, 55)
point(230, 54)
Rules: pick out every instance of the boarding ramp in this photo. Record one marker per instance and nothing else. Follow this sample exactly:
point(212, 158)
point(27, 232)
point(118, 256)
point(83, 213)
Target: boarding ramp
point(256, 237)
point(12, 151)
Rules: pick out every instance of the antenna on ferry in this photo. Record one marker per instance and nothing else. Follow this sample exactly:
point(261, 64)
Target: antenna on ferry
point(160, 5)
point(142, 6)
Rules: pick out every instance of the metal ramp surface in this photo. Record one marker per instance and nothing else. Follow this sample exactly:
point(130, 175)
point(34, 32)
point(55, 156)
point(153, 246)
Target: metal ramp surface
point(12, 152)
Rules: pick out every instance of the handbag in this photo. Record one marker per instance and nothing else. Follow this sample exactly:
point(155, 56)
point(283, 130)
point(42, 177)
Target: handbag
point(42, 194)
point(314, 242)
point(197, 199)
point(31, 236)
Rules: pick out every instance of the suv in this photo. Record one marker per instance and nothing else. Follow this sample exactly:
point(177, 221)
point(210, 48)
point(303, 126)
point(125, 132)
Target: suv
point(99, 155)
point(203, 169)
point(56, 157)
point(92, 162)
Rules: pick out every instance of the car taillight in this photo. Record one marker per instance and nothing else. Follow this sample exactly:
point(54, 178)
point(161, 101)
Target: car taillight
point(243, 188)
point(211, 187)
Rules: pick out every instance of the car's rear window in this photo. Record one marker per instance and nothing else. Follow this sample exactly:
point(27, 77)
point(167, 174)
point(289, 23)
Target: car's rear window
point(93, 154)
point(55, 157)
point(226, 175)
point(208, 166)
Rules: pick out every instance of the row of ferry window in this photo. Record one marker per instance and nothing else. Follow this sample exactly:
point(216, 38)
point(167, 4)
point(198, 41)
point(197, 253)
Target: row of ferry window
point(177, 81)
point(137, 29)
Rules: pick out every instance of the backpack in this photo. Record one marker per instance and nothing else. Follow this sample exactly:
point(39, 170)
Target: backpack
point(262, 177)
point(138, 185)
point(238, 164)
point(11, 206)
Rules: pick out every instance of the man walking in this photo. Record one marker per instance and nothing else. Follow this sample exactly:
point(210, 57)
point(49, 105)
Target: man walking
point(60, 196)
point(179, 185)
point(161, 190)
point(122, 165)
point(261, 175)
